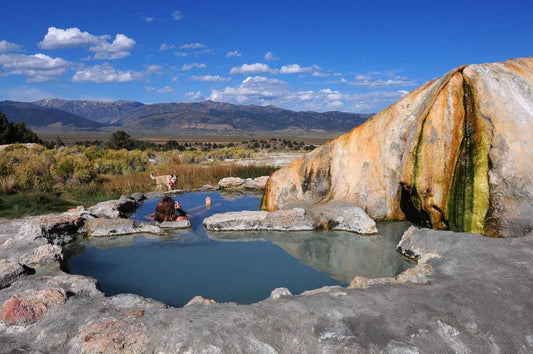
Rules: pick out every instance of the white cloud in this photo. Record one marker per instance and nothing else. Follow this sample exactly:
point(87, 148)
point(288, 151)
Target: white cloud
point(105, 73)
point(260, 90)
point(36, 68)
point(164, 89)
point(295, 69)
point(6, 46)
point(192, 46)
point(163, 47)
point(186, 67)
point(257, 68)
point(380, 79)
point(270, 56)
point(195, 53)
point(119, 48)
point(194, 96)
point(57, 38)
point(154, 69)
point(319, 74)
point(149, 19)
point(210, 78)
point(234, 53)
point(177, 15)
point(175, 79)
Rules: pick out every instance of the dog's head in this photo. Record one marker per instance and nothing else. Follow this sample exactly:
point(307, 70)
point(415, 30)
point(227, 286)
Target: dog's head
point(173, 180)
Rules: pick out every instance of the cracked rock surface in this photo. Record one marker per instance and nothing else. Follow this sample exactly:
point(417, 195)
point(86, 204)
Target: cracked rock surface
point(475, 297)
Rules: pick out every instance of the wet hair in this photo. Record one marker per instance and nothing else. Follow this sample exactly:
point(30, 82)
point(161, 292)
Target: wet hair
point(165, 210)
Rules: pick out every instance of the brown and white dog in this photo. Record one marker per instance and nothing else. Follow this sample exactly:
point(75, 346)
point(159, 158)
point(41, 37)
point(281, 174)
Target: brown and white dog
point(164, 180)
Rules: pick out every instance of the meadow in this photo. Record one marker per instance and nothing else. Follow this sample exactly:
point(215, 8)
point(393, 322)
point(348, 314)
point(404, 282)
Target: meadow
point(37, 179)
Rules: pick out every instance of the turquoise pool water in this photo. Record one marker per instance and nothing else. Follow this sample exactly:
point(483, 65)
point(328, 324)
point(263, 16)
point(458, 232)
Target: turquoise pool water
point(242, 267)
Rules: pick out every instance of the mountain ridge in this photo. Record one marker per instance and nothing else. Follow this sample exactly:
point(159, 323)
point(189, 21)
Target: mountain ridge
point(203, 116)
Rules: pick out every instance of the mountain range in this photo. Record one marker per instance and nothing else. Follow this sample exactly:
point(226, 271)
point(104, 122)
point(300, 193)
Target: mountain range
point(189, 117)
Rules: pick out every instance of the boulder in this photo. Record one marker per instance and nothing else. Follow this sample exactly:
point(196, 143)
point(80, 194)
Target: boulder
point(338, 215)
point(45, 256)
point(114, 335)
point(279, 292)
point(76, 284)
point(230, 182)
point(200, 300)
point(29, 306)
point(113, 227)
point(56, 228)
point(255, 183)
point(115, 208)
point(10, 272)
point(452, 154)
point(282, 220)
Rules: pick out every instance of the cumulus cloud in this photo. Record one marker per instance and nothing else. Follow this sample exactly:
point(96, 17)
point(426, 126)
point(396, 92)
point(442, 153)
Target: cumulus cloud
point(194, 96)
point(247, 69)
point(260, 90)
point(270, 56)
point(163, 47)
point(295, 69)
point(6, 46)
point(234, 53)
point(210, 78)
point(380, 79)
point(119, 48)
point(164, 89)
point(105, 73)
point(186, 67)
point(177, 15)
point(192, 46)
point(57, 38)
point(149, 19)
point(36, 68)
point(154, 69)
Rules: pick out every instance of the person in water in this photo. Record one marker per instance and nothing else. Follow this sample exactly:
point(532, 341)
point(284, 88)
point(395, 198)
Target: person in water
point(169, 210)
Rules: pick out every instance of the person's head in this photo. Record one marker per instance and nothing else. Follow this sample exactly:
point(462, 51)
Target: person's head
point(165, 210)
point(208, 202)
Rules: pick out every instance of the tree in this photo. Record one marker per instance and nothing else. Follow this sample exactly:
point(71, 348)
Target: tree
point(16, 133)
point(121, 140)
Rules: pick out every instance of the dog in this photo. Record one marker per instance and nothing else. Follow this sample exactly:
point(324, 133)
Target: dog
point(164, 180)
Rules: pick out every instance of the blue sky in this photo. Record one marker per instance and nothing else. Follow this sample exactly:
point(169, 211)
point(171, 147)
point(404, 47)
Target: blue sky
point(303, 55)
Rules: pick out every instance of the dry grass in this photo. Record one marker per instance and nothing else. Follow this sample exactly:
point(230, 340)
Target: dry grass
point(189, 176)
point(8, 183)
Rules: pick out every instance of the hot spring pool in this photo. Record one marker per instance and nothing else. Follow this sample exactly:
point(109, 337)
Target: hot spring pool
point(242, 267)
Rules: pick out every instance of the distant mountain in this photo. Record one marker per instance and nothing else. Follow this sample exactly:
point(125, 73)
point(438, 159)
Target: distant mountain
point(210, 115)
point(36, 116)
point(98, 111)
point(205, 116)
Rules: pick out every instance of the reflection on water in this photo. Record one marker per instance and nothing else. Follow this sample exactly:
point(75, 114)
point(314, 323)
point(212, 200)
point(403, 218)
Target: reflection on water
point(231, 266)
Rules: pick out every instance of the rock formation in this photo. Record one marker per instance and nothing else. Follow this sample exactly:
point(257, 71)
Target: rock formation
point(455, 154)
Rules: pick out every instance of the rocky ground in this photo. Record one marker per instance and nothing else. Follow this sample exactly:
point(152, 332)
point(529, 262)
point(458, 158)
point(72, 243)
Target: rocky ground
point(468, 294)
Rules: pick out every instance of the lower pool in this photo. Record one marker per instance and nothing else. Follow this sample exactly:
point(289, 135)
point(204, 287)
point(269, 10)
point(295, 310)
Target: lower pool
point(242, 267)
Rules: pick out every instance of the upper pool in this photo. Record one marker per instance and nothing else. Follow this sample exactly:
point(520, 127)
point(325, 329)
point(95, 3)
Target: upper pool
point(242, 267)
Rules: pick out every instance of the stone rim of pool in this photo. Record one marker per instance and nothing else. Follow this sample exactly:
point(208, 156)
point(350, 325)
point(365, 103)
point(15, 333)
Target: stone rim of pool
point(296, 245)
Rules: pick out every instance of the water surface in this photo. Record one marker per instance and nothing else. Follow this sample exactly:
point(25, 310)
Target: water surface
point(242, 267)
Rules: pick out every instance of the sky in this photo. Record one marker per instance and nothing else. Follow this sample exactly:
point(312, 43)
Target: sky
point(353, 56)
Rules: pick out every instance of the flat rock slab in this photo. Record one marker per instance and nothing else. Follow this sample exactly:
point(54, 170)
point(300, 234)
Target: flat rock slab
point(230, 182)
point(331, 216)
point(282, 220)
point(9, 272)
point(113, 227)
point(181, 224)
point(29, 306)
point(255, 183)
point(115, 208)
point(343, 216)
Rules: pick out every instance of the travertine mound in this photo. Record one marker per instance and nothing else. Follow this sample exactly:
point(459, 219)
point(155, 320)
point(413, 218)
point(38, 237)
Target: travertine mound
point(456, 153)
